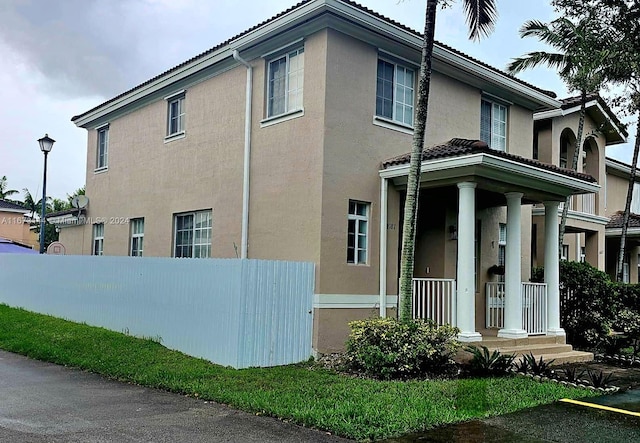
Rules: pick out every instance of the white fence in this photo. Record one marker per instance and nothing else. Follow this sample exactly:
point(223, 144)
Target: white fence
point(238, 313)
point(435, 299)
point(534, 306)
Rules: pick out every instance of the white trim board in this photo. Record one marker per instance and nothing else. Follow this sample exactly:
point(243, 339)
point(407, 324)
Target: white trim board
point(351, 301)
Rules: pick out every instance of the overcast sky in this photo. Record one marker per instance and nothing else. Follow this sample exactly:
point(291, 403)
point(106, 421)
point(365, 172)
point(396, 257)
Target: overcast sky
point(61, 58)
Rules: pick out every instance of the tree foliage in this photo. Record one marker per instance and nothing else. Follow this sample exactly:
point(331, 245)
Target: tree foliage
point(480, 16)
point(4, 188)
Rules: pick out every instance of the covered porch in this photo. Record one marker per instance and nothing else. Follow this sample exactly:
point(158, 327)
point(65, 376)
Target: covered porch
point(475, 180)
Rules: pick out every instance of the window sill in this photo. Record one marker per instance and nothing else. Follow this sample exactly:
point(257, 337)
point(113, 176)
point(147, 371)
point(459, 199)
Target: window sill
point(392, 124)
point(101, 170)
point(281, 118)
point(176, 136)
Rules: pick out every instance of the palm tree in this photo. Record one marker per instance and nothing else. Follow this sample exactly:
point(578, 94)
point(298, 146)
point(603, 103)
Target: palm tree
point(4, 192)
point(480, 16)
point(580, 60)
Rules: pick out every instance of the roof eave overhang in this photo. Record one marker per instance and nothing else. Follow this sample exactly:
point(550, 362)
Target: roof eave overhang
point(497, 169)
point(615, 136)
point(617, 232)
point(63, 221)
point(15, 211)
point(444, 58)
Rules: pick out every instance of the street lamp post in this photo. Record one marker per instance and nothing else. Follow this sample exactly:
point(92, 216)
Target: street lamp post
point(46, 143)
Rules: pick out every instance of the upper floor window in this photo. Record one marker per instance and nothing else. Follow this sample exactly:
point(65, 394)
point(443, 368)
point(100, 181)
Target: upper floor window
point(395, 92)
point(98, 239)
point(635, 199)
point(564, 152)
point(285, 83)
point(493, 124)
point(193, 234)
point(103, 147)
point(357, 232)
point(175, 115)
point(137, 237)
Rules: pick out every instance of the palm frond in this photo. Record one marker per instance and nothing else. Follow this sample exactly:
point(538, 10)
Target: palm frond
point(537, 58)
point(481, 17)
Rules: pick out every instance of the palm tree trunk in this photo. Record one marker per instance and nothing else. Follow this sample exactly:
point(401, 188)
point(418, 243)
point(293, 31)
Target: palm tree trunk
point(627, 205)
point(574, 166)
point(413, 184)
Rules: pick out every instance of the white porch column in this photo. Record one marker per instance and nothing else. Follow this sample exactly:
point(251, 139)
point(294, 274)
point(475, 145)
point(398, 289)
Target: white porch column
point(466, 284)
point(552, 267)
point(384, 187)
point(512, 272)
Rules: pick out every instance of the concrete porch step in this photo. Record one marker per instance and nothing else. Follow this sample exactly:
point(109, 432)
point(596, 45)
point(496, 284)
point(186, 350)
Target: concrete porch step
point(566, 357)
point(534, 349)
point(495, 342)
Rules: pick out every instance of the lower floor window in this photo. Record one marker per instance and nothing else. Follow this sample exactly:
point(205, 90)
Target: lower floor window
point(137, 237)
point(98, 239)
point(193, 234)
point(357, 232)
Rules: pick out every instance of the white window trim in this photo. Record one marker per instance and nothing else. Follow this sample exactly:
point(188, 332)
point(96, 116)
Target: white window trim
point(97, 238)
point(358, 219)
point(102, 129)
point(136, 235)
point(177, 97)
point(281, 118)
point(496, 101)
point(393, 121)
point(193, 244)
point(384, 122)
point(287, 111)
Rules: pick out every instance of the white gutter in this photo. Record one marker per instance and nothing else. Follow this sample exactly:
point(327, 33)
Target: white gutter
point(244, 247)
point(384, 186)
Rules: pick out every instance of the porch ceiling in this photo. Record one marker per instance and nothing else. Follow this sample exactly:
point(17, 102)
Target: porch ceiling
point(495, 174)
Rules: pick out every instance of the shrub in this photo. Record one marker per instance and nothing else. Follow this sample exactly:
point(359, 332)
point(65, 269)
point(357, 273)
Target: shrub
point(387, 349)
point(486, 364)
point(538, 367)
point(628, 321)
point(599, 379)
point(573, 374)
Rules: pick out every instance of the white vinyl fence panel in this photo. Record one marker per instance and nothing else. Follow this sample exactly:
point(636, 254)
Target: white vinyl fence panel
point(237, 313)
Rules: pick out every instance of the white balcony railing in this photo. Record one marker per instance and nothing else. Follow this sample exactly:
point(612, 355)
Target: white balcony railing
point(589, 203)
point(435, 299)
point(534, 306)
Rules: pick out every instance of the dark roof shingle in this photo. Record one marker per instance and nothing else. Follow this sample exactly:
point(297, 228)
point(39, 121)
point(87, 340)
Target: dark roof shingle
point(459, 146)
point(616, 220)
point(572, 102)
point(5, 204)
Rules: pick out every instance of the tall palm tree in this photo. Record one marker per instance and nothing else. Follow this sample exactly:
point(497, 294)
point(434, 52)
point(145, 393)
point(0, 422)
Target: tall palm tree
point(480, 16)
point(580, 60)
point(4, 192)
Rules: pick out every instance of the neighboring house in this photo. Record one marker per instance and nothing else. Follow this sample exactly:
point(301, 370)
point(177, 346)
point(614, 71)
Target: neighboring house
point(13, 247)
point(618, 174)
point(289, 142)
point(15, 223)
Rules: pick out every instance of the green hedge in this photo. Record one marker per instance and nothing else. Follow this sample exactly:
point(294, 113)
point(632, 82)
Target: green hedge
point(592, 306)
point(387, 349)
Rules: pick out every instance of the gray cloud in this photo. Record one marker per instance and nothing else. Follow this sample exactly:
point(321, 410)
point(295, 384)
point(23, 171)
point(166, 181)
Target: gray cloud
point(81, 47)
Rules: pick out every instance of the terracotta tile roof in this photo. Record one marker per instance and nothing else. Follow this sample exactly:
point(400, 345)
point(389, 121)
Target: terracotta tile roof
point(572, 102)
point(459, 146)
point(5, 204)
point(616, 220)
point(294, 7)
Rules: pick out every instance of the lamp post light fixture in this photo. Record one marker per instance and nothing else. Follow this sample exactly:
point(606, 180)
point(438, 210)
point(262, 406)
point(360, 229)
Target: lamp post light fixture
point(46, 143)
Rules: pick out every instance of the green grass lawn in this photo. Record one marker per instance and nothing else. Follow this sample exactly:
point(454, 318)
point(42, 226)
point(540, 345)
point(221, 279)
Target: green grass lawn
point(307, 395)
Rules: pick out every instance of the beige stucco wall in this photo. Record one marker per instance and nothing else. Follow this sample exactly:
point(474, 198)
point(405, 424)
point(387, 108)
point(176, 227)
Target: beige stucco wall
point(155, 180)
point(14, 227)
point(617, 188)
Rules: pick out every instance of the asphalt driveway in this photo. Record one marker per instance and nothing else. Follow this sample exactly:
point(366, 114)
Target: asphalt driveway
point(42, 402)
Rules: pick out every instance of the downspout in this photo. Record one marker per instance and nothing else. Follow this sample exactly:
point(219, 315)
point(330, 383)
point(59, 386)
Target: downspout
point(244, 246)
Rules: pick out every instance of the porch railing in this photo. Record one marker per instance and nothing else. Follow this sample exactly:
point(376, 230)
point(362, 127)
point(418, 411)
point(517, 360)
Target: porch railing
point(534, 306)
point(435, 299)
point(589, 203)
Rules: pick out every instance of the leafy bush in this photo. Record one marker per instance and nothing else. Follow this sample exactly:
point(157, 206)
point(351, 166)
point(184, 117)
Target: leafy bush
point(485, 364)
point(599, 379)
point(538, 367)
point(628, 321)
point(588, 304)
point(573, 374)
point(387, 349)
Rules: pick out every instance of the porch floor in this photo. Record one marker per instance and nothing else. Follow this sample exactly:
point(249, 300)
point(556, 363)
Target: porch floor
point(547, 347)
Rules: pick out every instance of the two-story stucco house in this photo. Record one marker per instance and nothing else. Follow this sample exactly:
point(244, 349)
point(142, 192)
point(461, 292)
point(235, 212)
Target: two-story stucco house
point(289, 141)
